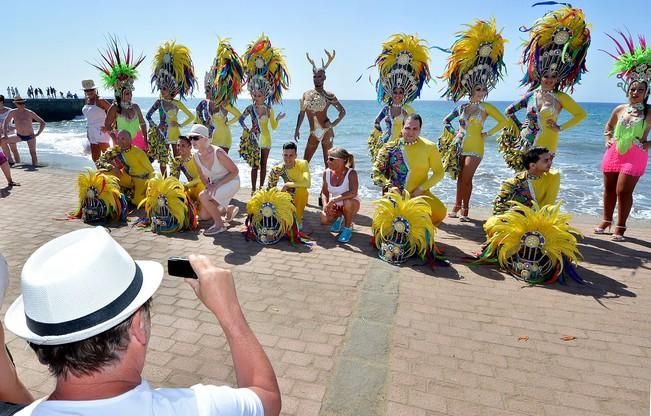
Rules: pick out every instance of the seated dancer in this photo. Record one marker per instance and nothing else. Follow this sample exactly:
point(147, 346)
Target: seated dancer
point(130, 165)
point(403, 66)
point(315, 104)
point(295, 174)
point(220, 176)
point(406, 163)
point(173, 75)
point(474, 67)
point(118, 69)
point(223, 84)
point(555, 59)
point(186, 164)
point(528, 235)
point(266, 77)
point(23, 120)
point(627, 135)
point(339, 193)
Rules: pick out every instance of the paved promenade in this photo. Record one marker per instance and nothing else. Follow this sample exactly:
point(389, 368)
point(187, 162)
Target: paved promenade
point(348, 334)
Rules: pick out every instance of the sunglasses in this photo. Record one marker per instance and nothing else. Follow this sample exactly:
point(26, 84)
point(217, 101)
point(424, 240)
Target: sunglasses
point(332, 159)
point(193, 138)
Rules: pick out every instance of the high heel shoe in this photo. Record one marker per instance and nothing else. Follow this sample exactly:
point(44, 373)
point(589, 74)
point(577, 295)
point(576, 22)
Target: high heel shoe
point(455, 212)
point(618, 237)
point(605, 225)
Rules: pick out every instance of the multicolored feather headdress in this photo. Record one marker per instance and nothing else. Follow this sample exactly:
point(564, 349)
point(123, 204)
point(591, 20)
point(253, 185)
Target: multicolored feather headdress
point(118, 66)
point(477, 59)
point(558, 43)
point(173, 69)
point(226, 76)
point(266, 70)
point(403, 63)
point(633, 64)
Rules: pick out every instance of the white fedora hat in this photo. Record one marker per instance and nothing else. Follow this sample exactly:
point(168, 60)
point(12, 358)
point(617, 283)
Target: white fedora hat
point(88, 84)
point(77, 286)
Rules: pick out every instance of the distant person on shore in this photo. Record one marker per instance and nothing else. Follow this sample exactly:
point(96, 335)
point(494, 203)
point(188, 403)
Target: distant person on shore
point(413, 164)
point(95, 110)
point(8, 148)
point(130, 165)
point(94, 340)
point(23, 119)
point(339, 193)
point(295, 174)
point(61, 94)
point(315, 104)
point(30, 92)
point(627, 137)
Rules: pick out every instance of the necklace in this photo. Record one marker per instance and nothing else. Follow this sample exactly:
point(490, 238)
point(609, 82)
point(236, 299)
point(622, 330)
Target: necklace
point(635, 108)
point(409, 143)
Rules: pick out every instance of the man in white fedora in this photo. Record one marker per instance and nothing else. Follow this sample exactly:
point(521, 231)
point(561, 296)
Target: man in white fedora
point(84, 310)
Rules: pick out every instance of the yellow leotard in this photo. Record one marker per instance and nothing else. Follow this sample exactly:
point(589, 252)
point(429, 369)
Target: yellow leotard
point(296, 178)
point(221, 136)
point(473, 141)
point(173, 132)
point(136, 174)
point(546, 136)
point(265, 133)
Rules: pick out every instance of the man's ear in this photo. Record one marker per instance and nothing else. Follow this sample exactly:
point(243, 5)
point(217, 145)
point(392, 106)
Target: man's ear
point(140, 327)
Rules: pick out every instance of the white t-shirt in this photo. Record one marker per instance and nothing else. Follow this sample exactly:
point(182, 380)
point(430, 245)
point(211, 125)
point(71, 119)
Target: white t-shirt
point(202, 400)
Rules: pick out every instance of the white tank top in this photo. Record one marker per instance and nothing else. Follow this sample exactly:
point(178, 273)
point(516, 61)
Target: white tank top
point(337, 190)
point(95, 116)
point(216, 172)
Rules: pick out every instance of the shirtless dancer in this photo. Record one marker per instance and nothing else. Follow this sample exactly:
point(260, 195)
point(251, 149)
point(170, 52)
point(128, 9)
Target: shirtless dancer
point(315, 103)
point(23, 119)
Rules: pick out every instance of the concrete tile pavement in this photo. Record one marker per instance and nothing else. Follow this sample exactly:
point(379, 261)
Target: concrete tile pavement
point(461, 340)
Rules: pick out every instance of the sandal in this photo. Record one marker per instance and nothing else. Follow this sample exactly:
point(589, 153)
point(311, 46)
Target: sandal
point(12, 183)
point(464, 216)
point(231, 213)
point(455, 212)
point(605, 225)
point(619, 237)
point(214, 230)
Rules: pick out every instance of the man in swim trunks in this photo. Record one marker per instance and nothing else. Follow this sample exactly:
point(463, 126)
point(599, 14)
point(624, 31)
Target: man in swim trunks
point(315, 103)
point(23, 119)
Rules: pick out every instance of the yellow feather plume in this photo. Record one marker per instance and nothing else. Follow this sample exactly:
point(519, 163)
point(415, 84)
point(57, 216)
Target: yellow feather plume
point(569, 17)
point(415, 211)
point(283, 208)
point(107, 188)
point(174, 194)
point(560, 238)
point(402, 42)
point(175, 59)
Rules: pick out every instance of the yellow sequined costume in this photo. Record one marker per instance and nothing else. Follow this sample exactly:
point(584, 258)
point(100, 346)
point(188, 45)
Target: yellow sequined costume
point(222, 136)
point(135, 170)
point(190, 170)
point(297, 179)
point(408, 167)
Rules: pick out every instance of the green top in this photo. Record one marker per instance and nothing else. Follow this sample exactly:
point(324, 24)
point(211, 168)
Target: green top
point(626, 134)
point(132, 125)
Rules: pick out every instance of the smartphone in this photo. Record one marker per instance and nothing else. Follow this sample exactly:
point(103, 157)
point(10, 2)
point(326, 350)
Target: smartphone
point(180, 267)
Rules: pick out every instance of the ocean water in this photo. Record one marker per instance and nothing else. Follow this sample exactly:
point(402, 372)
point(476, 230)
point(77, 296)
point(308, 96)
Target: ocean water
point(64, 145)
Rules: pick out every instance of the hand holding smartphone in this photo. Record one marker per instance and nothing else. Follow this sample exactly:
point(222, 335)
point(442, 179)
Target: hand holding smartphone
point(180, 267)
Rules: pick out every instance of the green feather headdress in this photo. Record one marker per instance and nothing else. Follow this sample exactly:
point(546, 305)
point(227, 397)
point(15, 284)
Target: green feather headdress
point(118, 66)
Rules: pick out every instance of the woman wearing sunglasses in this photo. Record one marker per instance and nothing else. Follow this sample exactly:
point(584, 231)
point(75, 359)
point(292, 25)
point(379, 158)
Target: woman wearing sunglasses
point(221, 177)
point(339, 193)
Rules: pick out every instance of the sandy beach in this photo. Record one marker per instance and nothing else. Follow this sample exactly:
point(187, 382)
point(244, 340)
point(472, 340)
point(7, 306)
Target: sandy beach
point(348, 334)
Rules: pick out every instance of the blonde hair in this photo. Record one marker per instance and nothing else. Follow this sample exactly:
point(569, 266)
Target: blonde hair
point(341, 153)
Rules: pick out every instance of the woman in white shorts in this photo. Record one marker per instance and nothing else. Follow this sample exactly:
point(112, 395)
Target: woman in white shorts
point(221, 177)
point(95, 110)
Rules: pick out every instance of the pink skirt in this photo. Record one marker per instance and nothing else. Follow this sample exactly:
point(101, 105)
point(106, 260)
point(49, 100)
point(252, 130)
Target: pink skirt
point(631, 163)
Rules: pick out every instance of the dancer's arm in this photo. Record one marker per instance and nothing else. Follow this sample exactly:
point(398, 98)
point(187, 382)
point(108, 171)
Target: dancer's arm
point(571, 106)
point(149, 118)
point(381, 115)
point(447, 121)
point(299, 119)
point(517, 106)
point(436, 166)
point(235, 112)
point(189, 117)
point(493, 112)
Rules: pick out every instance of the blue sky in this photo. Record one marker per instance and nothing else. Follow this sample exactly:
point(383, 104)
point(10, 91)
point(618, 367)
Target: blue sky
point(49, 42)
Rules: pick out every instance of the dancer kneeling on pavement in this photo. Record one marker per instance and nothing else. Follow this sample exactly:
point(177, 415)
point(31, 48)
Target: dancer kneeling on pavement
point(186, 164)
point(130, 164)
point(528, 235)
point(95, 337)
point(295, 174)
point(220, 176)
point(339, 193)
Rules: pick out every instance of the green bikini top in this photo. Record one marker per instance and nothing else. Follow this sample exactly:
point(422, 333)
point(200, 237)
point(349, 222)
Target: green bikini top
point(628, 132)
point(132, 125)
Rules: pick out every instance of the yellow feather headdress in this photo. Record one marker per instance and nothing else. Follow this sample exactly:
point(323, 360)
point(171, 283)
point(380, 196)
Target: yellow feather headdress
point(403, 63)
point(477, 59)
point(404, 222)
point(266, 70)
point(270, 215)
point(166, 205)
point(173, 69)
point(96, 186)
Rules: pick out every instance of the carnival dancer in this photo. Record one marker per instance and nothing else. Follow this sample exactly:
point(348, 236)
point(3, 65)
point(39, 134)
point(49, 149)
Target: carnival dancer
point(295, 174)
point(554, 58)
point(118, 67)
point(403, 67)
point(627, 133)
point(266, 77)
point(130, 165)
point(223, 84)
point(173, 75)
point(315, 104)
point(220, 176)
point(339, 194)
point(186, 164)
point(406, 163)
point(94, 110)
point(474, 68)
